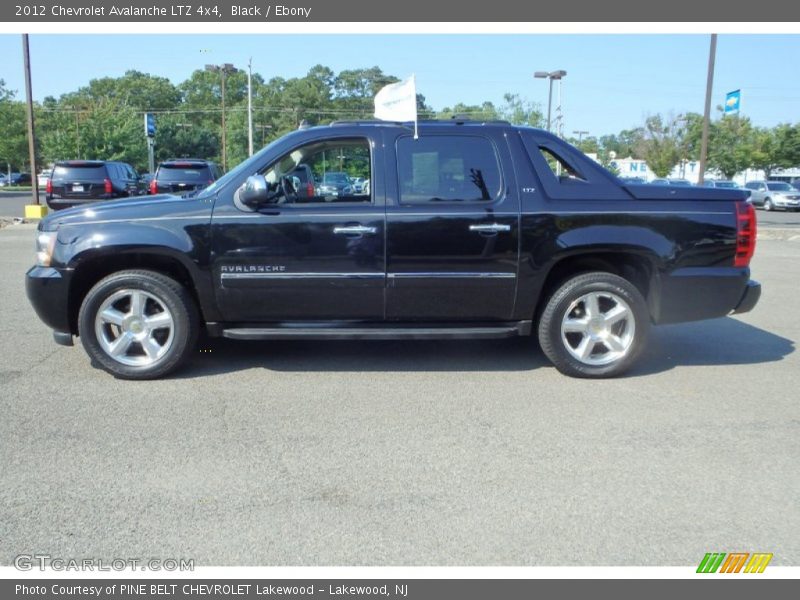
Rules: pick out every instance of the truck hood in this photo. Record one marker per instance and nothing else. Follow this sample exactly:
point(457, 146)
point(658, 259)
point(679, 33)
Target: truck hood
point(162, 206)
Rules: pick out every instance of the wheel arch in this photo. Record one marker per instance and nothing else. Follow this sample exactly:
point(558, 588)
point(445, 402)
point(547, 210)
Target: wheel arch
point(91, 267)
point(638, 268)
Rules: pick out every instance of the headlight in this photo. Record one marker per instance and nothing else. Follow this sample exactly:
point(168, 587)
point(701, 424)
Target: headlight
point(45, 242)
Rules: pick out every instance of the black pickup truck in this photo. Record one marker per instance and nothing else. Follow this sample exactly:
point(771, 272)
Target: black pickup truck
point(475, 230)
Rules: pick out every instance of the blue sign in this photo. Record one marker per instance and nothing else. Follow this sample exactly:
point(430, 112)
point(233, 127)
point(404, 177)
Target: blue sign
point(732, 101)
point(149, 124)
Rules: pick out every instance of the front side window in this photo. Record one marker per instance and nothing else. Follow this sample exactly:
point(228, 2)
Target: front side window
point(322, 171)
point(442, 168)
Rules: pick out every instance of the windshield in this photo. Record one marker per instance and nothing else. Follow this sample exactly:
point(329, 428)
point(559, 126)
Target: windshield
point(779, 186)
point(248, 166)
point(182, 173)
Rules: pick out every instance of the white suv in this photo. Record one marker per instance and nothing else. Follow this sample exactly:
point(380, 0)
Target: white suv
point(773, 194)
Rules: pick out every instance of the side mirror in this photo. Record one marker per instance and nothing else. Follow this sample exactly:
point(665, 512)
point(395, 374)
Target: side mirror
point(254, 191)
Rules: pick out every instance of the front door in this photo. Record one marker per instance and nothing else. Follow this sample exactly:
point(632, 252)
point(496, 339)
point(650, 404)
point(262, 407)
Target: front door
point(452, 230)
point(318, 253)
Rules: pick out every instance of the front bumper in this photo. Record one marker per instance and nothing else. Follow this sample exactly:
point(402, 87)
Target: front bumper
point(48, 292)
point(793, 204)
point(752, 292)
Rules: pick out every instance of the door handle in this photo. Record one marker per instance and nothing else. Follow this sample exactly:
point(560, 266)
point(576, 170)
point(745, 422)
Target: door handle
point(490, 228)
point(355, 230)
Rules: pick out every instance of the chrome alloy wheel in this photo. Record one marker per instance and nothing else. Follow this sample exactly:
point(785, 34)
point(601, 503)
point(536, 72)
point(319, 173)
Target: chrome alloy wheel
point(598, 328)
point(134, 327)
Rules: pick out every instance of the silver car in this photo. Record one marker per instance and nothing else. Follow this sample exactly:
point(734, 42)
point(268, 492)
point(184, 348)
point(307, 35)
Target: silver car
point(773, 194)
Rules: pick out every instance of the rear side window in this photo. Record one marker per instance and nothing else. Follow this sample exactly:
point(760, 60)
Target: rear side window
point(80, 171)
point(188, 173)
point(447, 168)
point(565, 173)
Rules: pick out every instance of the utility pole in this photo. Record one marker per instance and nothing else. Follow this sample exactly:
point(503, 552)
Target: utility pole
point(580, 135)
point(223, 70)
point(712, 53)
point(250, 106)
point(34, 210)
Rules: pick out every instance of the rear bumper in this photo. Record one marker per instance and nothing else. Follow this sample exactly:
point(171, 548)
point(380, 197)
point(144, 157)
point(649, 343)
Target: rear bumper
point(59, 202)
point(48, 292)
point(752, 292)
point(693, 294)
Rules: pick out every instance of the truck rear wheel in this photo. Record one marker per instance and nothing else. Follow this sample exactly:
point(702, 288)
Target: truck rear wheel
point(594, 325)
point(138, 324)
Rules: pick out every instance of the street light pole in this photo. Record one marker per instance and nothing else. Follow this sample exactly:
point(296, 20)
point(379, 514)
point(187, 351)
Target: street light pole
point(29, 104)
point(223, 70)
point(551, 75)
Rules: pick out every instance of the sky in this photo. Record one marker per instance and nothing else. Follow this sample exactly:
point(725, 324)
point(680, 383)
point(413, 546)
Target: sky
point(613, 82)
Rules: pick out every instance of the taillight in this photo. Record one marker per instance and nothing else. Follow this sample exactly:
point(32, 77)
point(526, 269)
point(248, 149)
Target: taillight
point(153, 186)
point(49, 186)
point(107, 183)
point(745, 234)
point(310, 189)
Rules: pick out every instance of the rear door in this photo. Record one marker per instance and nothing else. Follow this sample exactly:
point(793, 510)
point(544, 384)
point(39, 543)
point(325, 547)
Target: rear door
point(452, 228)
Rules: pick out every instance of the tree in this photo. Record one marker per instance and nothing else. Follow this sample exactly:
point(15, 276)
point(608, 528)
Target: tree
point(731, 145)
point(661, 144)
point(482, 112)
point(519, 111)
point(766, 152)
point(14, 139)
point(624, 144)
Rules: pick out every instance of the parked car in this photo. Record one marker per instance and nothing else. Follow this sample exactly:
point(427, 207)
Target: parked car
point(358, 184)
point(183, 175)
point(659, 182)
point(634, 180)
point(76, 182)
point(335, 184)
point(773, 194)
point(16, 179)
point(43, 177)
point(679, 182)
point(721, 183)
point(469, 232)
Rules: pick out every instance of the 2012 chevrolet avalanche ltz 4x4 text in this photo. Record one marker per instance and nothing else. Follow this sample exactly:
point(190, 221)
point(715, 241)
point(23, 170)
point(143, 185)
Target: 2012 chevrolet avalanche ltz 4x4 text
point(472, 230)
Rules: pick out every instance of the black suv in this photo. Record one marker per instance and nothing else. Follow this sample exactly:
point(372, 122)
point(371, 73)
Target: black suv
point(79, 181)
point(182, 175)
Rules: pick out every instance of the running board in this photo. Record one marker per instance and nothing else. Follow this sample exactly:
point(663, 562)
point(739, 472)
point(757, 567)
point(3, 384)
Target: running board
point(499, 330)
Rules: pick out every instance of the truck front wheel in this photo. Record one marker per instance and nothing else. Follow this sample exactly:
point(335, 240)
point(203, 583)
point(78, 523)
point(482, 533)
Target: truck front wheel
point(138, 324)
point(594, 325)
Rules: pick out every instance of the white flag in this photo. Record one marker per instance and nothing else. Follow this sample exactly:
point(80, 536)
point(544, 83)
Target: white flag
point(397, 101)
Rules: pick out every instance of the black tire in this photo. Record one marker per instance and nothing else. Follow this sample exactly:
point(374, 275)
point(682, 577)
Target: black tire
point(768, 204)
point(158, 291)
point(567, 300)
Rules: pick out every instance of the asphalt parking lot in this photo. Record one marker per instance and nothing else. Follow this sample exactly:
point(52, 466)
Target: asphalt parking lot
point(407, 453)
